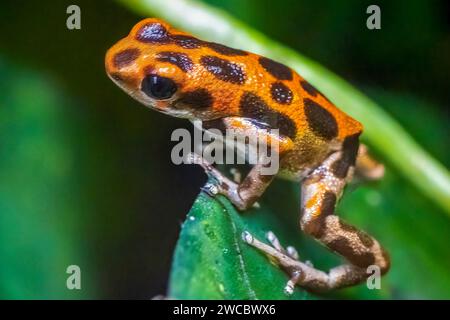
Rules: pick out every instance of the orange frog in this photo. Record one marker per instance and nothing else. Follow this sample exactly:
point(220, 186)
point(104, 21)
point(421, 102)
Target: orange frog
point(182, 76)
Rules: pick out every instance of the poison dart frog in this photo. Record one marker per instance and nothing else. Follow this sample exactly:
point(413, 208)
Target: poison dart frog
point(177, 74)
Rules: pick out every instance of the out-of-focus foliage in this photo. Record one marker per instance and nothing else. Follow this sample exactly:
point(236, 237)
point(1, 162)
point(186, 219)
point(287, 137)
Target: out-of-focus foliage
point(40, 221)
point(85, 171)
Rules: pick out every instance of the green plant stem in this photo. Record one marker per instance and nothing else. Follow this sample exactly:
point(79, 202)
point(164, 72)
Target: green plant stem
point(381, 131)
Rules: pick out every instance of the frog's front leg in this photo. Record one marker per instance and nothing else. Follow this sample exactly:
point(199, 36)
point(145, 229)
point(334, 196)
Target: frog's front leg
point(320, 191)
point(243, 195)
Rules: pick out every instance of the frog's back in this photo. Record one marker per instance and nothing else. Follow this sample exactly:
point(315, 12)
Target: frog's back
point(279, 94)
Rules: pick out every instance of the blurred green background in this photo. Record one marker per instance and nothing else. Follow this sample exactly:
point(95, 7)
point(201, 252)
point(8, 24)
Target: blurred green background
point(85, 171)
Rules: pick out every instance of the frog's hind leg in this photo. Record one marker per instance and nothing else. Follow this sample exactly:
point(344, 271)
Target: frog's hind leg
point(303, 273)
point(320, 192)
point(367, 168)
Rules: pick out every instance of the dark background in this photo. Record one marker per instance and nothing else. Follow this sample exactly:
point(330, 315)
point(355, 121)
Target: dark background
point(85, 172)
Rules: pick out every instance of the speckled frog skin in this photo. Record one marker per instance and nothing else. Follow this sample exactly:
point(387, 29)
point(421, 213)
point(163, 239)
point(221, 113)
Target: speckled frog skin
point(182, 76)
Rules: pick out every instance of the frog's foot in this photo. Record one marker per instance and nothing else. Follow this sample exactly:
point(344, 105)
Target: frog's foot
point(218, 183)
point(286, 258)
point(303, 273)
point(290, 251)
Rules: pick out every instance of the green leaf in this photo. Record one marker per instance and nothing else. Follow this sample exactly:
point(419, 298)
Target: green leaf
point(212, 261)
point(39, 203)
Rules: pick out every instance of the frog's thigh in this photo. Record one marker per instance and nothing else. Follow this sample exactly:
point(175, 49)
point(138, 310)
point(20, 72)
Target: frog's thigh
point(320, 192)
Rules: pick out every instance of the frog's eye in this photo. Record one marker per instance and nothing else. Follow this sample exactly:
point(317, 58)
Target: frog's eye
point(158, 87)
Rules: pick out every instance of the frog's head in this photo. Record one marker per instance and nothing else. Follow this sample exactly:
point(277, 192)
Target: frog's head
point(156, 65)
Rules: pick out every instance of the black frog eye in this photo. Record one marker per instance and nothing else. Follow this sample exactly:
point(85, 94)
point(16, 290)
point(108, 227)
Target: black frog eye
point(158, 87)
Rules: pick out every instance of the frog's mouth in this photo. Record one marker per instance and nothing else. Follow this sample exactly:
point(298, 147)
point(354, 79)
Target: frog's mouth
point(173, 112)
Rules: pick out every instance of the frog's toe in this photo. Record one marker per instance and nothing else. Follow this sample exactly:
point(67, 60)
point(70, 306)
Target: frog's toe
point(210, 188)
point(287, 258)
point(272, 238)
point(247, 237)
point(290, 250)
point(236, 174)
